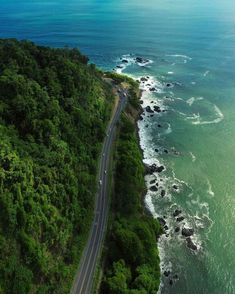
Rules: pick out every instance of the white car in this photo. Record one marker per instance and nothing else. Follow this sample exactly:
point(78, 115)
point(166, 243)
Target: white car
point(100, 182)
point(105, 171)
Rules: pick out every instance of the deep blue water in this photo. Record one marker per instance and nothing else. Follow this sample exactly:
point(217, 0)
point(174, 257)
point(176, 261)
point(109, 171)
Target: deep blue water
point(192, 45)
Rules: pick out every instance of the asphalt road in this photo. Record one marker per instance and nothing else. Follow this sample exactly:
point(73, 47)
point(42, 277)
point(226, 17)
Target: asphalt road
point(85, 276)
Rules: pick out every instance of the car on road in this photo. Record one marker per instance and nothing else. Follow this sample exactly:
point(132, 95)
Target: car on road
point(100, 182)
point(105, 171)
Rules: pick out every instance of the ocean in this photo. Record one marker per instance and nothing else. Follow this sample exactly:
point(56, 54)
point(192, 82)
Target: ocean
point(188, 47)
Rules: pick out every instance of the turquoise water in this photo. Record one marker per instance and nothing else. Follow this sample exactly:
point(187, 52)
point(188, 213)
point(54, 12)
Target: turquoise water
point(200, 129)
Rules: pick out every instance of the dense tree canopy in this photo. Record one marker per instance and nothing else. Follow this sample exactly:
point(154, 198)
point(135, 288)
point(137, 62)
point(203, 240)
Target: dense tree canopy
point(132, 259)
point(54, 108)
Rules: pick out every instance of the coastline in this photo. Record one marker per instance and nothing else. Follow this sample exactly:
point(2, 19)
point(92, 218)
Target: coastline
point(131, 242)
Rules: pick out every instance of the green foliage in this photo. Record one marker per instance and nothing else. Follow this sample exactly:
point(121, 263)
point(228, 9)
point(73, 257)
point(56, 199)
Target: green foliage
point(54, 109)
point(133, 236)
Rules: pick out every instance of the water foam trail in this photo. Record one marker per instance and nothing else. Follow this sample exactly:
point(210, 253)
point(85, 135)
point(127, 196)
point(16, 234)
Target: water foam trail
point(193, 156)
point(209, 191)
point(191, 100)
point(218, 113)
point(180, 55)
point(206, 73)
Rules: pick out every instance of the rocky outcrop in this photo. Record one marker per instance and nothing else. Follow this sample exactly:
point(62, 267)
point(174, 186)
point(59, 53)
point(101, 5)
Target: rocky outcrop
point(187, 232)
point(177, 212)
point(150, 169)
point(148, 109)
point(190, 244)
point(180, 219)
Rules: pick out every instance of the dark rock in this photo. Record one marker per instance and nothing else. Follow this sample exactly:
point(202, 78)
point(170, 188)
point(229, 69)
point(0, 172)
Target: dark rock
point(176, 277)
point(143, 79)
point(166, 151)
point(190, 244)
point(152, 182)
point(161, 221)
point(141, 117)
point(151, 115)
point(166, 273)
point(169, 85)
point(119, 66)
point(171, 282)
point(124, 60)
point(159, 126)
point(156, 150)
point(177, 212)
point(146, 126)
point(163, 193)
point(148, 109)
point(157, 108)
point(141, 102)
point(153, 168)
point(152, 89)
point(180, 219)
point(153, 188)
point(166, 228)
point(175, 187)
point(160, 169)
point(141, 60)
point(187, 232)
point(177, 229)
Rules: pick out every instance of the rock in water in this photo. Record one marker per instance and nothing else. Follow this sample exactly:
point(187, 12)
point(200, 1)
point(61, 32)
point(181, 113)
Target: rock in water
point(157, 108)
point(161, 221)
point(187, 232)
point(190, 244)
point(180, 219)
point(177, 229)
point(153, 188)
point(163, 193)
point(166, 273)
point(148, 109)
point(177, 212)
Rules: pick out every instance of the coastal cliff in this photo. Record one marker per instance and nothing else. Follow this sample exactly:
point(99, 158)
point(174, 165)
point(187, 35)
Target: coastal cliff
point(131, 254)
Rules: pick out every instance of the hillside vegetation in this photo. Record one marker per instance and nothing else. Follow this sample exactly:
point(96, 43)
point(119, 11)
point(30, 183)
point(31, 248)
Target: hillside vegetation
point(132, 260)
point(54, 108)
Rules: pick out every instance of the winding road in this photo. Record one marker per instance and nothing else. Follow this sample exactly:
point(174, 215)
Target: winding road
point(85, 276)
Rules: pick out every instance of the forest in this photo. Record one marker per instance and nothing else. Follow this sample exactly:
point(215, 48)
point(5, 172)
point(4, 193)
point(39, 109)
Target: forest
point(54, 108)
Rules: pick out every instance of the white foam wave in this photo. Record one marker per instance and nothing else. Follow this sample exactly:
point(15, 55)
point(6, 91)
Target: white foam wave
point(206, 73)
point(151, 84)
point(193, 156)
point(191, 100)
point(219, 118)
point(168, 130)
point(180, 55)
point(209, 191)
point(127, 60)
